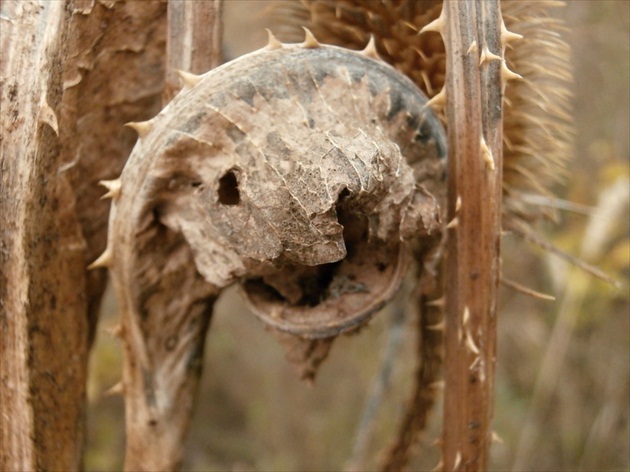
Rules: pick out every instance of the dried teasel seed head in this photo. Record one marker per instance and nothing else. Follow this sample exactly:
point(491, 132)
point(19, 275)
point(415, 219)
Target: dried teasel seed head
point(537, 124)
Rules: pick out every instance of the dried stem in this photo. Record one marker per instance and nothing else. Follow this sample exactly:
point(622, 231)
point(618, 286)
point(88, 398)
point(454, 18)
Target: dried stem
point(43, 342)
point(194, 40)
point(165, 304)
point(474, 111)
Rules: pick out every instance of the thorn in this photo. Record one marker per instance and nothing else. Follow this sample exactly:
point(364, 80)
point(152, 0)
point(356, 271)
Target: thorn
point(48, 117)
point(309, 40)
point(458, 460)
point(507, 74)
point(507, 36)
point(438, 101)
point(436, 25)
point(496, 438)
point(189, 79)
point(438, 302)
point(487, 55)
point(272, 41)
point(439, 467)
point(466, 316)
point(410, 25)
point(473, 47)
point(140, 127)
point(113, 188)
point(470, 344)
point(476, 363)
point(390, 45)
point(486, 154)
point(526, 290)
point(453, 223)
point(370, 49)
point(276, 313)
point(458, 203)
point(115, 331)
point(427, 81)
point(420, 53)
point(437, 327)
point(117, 389)
point(104, 260)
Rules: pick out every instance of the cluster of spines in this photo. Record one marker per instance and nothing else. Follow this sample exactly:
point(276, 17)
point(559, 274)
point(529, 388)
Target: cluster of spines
point(537, 130)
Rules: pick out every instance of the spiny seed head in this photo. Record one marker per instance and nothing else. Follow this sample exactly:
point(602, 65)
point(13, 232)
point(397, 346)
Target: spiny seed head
point(537, 122)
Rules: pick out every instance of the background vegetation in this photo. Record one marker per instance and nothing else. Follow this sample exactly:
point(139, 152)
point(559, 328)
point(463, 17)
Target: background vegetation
point(563, 379)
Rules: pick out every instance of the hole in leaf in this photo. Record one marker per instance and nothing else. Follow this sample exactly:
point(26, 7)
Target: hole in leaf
point(229, 193)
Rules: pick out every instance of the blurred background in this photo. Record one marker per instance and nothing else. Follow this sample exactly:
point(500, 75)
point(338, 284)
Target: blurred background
point(563, 373)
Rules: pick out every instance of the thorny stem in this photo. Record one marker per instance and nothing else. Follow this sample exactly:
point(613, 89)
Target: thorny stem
point(474, 110)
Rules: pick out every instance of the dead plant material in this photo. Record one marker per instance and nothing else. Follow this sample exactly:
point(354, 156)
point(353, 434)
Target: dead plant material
point(306, 172)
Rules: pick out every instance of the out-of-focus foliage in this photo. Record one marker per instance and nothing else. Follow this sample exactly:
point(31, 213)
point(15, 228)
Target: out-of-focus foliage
point(563, 374)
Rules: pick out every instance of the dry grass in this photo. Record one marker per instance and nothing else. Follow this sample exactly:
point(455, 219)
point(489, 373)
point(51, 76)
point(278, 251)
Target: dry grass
point(563, 379)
